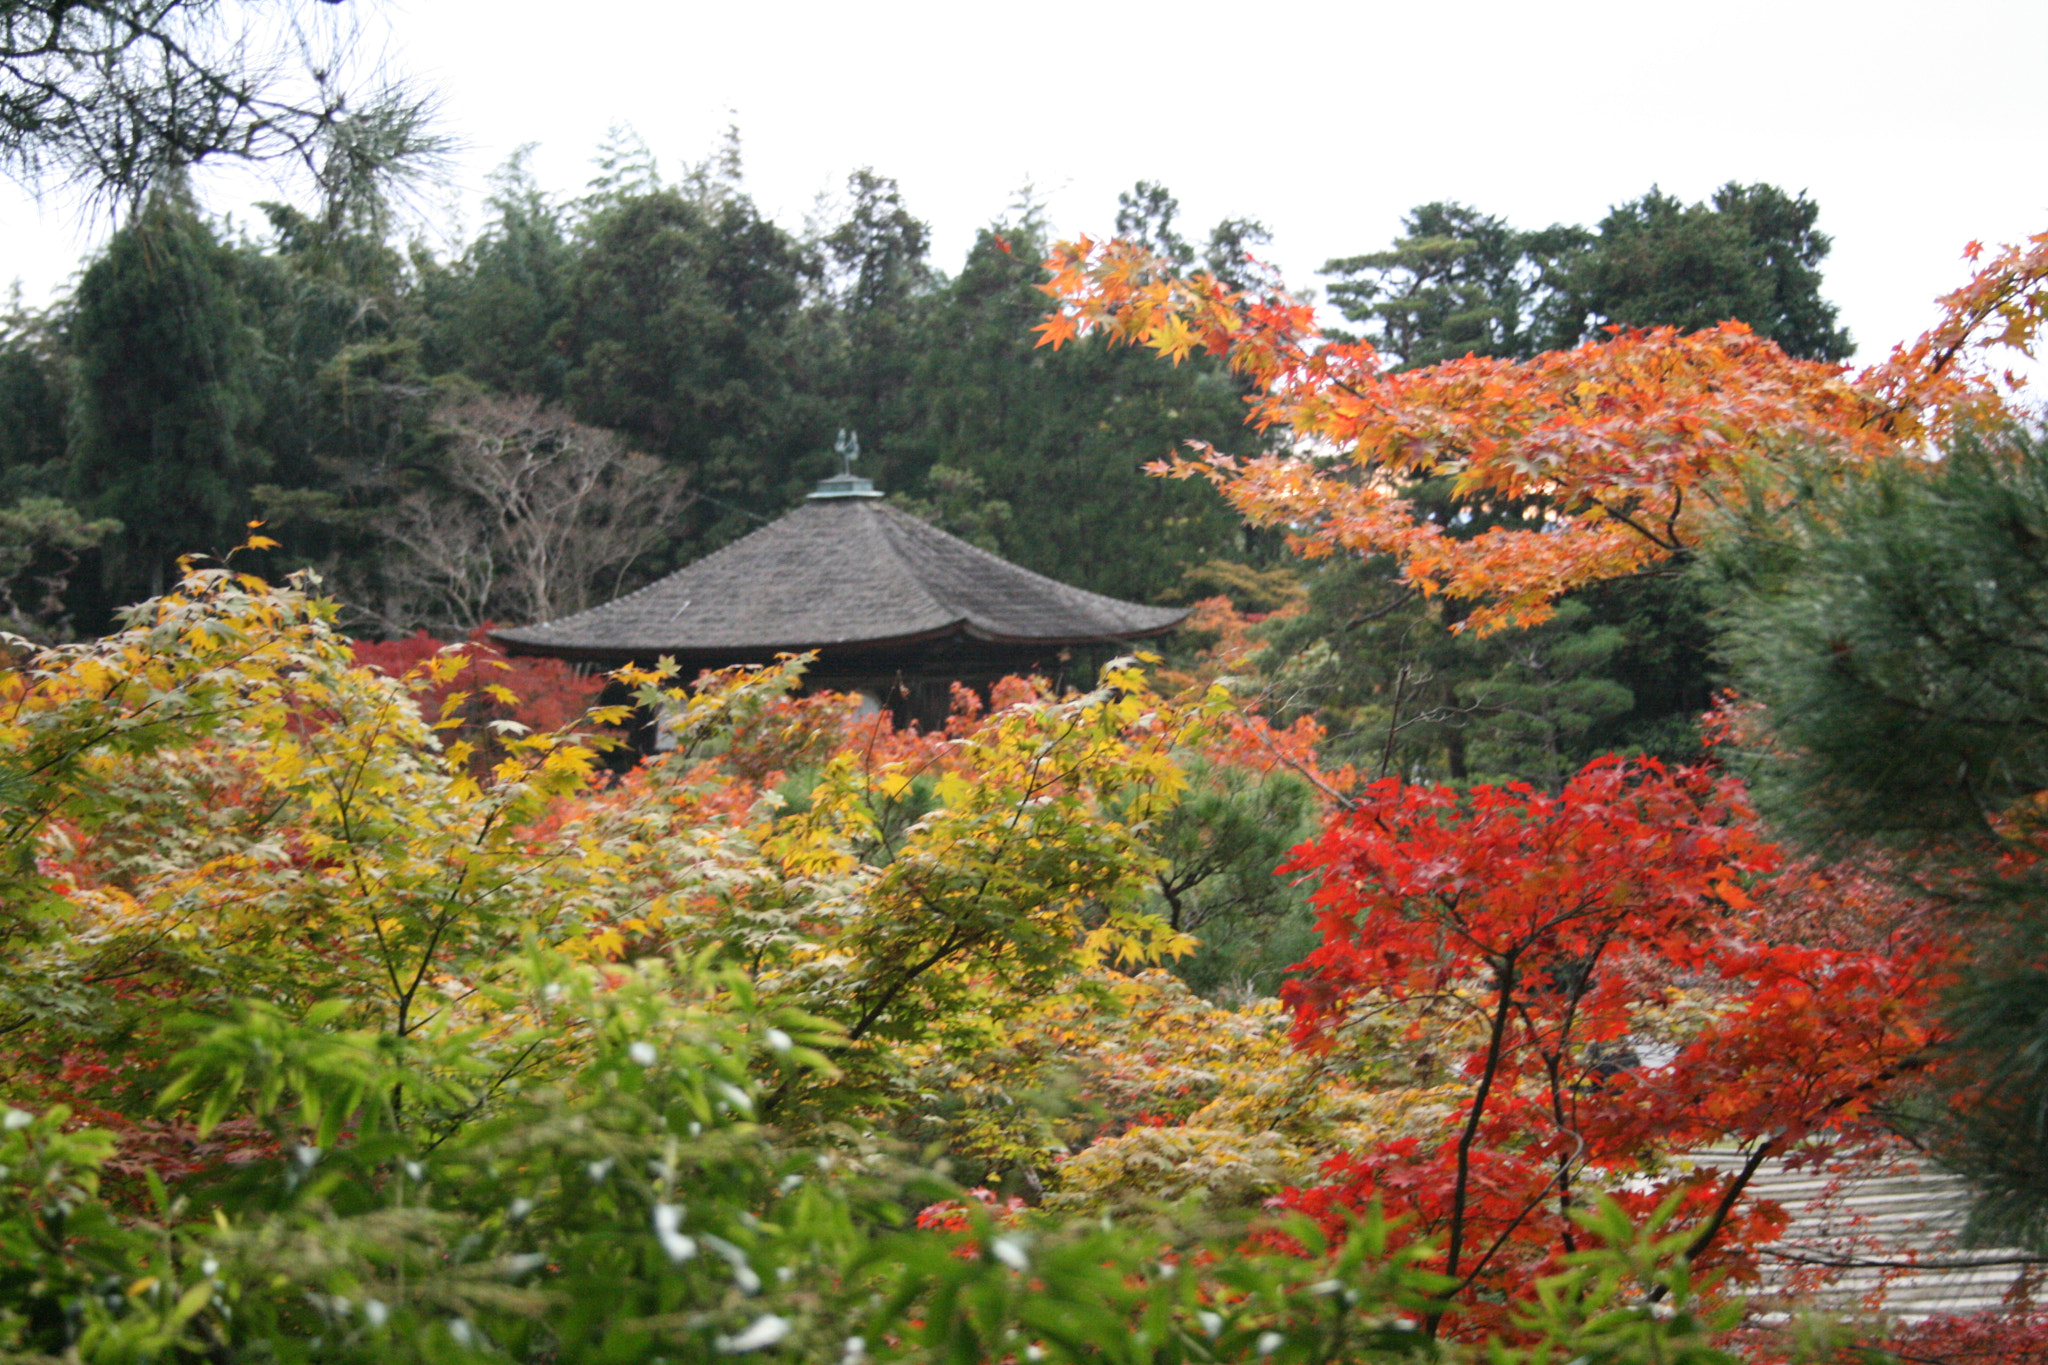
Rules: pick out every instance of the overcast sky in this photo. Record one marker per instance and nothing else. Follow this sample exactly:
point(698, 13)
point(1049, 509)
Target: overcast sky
point(1916, 126)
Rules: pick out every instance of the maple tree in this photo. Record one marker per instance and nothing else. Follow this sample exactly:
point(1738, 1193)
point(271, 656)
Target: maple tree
point(490, 694)
point(1629, 446)
point(1950, 370)
point(311, 838)
point(492, 1050)
point(1555, 945)
point(1565, 938)
point(421, 1009)
point(1575, 467)
point(408, 950)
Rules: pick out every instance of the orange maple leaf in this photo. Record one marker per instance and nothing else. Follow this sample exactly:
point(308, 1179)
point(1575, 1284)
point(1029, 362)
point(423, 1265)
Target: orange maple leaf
point(1055, 331)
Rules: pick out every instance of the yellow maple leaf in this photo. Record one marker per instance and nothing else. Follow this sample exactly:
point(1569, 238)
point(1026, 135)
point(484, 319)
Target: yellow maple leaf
point(1171, 337)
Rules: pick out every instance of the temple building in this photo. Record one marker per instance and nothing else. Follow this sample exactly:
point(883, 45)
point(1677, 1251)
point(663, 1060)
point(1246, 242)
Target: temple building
point(893, 608)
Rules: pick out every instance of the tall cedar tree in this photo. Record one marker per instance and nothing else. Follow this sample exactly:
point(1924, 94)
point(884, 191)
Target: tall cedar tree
point(881, 289)
point(162, 429)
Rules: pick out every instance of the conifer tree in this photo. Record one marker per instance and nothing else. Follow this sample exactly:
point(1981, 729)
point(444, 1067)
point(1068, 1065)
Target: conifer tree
point(683, 327)
point(1061, 438)
point(1751, 253)
point(162, 421)
point(880, 292)
point(32, 389)
point(1895, 637)
point(1456, 282)
point(490, 311)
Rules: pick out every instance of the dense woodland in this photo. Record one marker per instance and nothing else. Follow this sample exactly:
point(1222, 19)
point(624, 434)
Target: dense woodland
point(1606, 733)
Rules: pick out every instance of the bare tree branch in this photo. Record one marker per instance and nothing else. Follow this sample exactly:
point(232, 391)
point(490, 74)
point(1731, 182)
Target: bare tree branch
point(541, 518)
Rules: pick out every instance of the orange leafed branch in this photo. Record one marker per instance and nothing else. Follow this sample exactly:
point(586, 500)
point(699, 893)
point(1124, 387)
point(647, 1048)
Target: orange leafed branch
point(1931, 382)
point(1629, 443)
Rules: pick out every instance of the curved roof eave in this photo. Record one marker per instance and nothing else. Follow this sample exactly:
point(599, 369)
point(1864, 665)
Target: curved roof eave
point(507, 639)
point(842, 577)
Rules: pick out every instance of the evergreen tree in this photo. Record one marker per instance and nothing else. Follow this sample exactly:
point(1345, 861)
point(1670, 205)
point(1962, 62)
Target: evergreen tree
point(343, 377)
point(1145, 214)
point(491, 311)
point(122, 97)
point(1459, 281)
point(1895, 637)
point(1405, 694)
point(1545, 694)
point(42, 544)
point(1061, 438)
point(1895, 633)
point(880, 292)
point(1219, 847)
point(1456, 282)
point(1230, 255)
point(32, 404)
point(683, 329)
point(163, 418)
point(1750, 254)
point(346, 394)
point(1664, 659)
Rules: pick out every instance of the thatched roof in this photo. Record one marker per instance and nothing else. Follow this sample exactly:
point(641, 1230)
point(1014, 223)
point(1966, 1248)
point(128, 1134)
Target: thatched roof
point(840, 572)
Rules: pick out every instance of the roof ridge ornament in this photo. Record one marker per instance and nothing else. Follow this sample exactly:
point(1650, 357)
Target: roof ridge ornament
point(845, 484)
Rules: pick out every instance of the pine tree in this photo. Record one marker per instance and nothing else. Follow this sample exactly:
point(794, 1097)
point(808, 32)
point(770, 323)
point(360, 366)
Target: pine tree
point(1456, 282)
point(120, 98)
point(1751, 254)
point(1895, 637)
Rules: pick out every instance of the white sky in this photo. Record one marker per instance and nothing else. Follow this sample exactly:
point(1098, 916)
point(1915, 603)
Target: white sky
point(1916, 126)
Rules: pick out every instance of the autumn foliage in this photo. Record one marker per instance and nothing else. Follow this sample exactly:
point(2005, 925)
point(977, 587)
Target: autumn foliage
point(1951, 371)
point(474, 692)
point(645, 1059)
point(1621, 989)
point(1599, 968)
point(1619, 453)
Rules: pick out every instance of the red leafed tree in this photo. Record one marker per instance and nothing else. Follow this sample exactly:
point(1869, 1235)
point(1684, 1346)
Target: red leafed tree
point(1628, 1000)
point(534, 694)
point(2017, 1337)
